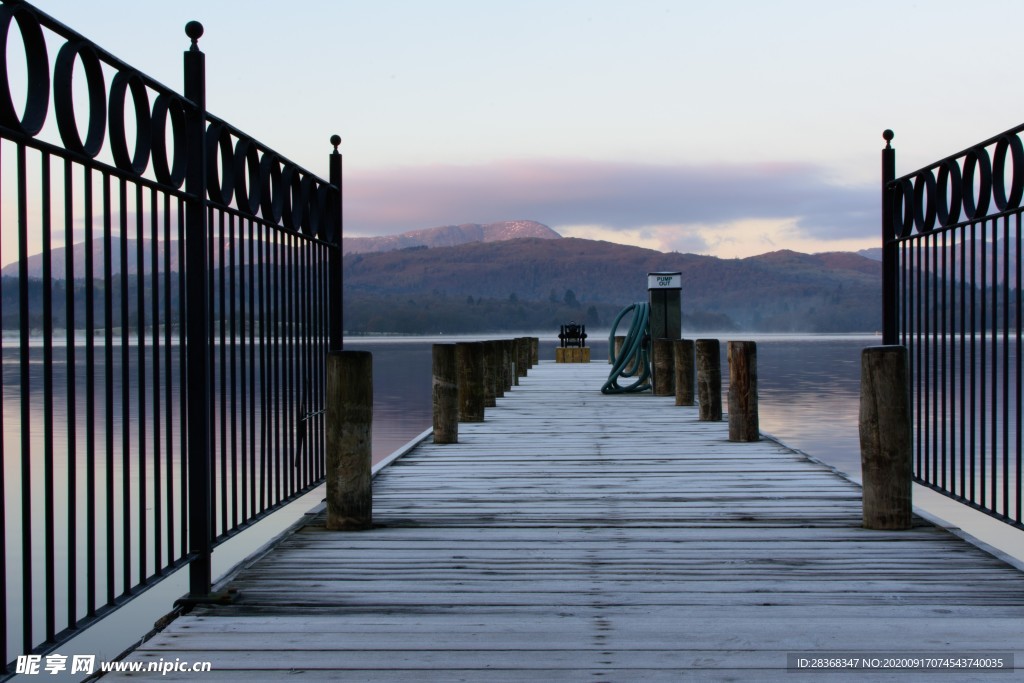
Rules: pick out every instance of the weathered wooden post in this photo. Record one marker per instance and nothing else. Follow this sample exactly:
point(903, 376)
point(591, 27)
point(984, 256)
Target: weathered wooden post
point(534, 351)
point(508, 347)
point(886, 439)
point(619, 341)
point(523, 358)
point(743, 421)
point(445, 394)
point(682, 351)
point(664, 368)
point(469, 359)
point(709, 380)
point(349, 413)
point(489, 374)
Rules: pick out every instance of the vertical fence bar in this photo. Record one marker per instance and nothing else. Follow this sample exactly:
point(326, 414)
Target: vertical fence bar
point(140, 329)
point(1006, 367)
point(49, 522)
point(108, 378)
point(126, 413)
point(889, 245)
point(4, 616)
point(158, 499)
point(72, 418)
point(221, 365)
point(26, 414)
point(197, 351)
point(233, 377)
point(334, 285)
point(91, 558)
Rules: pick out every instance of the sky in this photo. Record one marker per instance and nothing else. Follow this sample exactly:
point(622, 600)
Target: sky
point(728, 128)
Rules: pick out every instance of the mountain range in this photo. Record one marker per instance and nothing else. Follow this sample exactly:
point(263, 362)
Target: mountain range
point(450, 236)
point(779, 291)
point(502, 281)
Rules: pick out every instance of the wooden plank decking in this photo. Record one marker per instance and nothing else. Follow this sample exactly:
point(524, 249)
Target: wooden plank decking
point(581, 537)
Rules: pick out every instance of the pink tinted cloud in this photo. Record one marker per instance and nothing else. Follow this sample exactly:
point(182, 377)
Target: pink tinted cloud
point(614, 195)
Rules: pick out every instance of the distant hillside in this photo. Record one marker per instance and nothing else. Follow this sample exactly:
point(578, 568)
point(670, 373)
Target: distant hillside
point(780, 291)
point(536, 284)
point(450, 236)
point(57, 256)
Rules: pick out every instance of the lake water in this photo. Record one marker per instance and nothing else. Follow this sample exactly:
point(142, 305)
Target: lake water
point(808, 399)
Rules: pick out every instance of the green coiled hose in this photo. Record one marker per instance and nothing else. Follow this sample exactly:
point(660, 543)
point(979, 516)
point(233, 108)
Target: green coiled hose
point(634, 358)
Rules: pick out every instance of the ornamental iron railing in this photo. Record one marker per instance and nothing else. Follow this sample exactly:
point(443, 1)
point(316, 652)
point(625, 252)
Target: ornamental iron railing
point(952, 296)
point(172, 288)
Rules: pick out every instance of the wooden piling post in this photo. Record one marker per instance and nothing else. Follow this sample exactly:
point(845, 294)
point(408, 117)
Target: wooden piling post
point(445, 394)
point(508, 346)
point(682, 352)
point(522, 356)
point(349, 421)
point(709, 380)
point(743, 419)
point(886, 441)
point(534, 351)
point(489, 373)
point(664, 368)
point(469, 361)
point(619, 341)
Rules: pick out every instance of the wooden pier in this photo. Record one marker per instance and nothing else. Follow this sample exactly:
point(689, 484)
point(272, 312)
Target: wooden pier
point(574, 536)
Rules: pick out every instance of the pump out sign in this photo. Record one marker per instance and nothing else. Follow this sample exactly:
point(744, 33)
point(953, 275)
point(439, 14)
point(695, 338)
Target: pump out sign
point(664, 281)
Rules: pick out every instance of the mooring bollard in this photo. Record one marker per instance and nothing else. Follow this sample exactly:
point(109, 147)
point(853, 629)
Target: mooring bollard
point(511, 371)
point(523, 357)
point(490, 373)
point(664, 368)
point(886, 441)
point(445, 394)
point(709, 380)
point(619, 341)
point(682, 351)
point(743, 421)
point(469, 359)
point(349, 422)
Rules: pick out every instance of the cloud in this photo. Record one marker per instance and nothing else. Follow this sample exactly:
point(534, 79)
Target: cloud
point(683, 207)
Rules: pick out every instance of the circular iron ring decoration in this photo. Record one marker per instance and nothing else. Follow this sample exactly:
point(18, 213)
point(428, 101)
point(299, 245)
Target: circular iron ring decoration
point(137, 161)
point(325, 201)
point(977, 159)
point(247, 177)
point(1002, 200)
point(924, 207)
point(220, 181)
point(291, 191)
point(949, 183)
point(903, 208)
point(63, 98)
point(37, 101)
point(317, 211)
point(310, 220)
point(271, 195)
point(169, 107)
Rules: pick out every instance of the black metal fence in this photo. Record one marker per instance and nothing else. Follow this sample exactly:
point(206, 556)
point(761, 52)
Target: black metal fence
point(952, 295)
point(172, 289)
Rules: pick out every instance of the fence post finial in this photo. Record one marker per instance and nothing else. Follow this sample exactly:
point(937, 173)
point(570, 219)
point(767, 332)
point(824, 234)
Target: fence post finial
point(336, 140)
point(888, 135)
point(194, 30)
